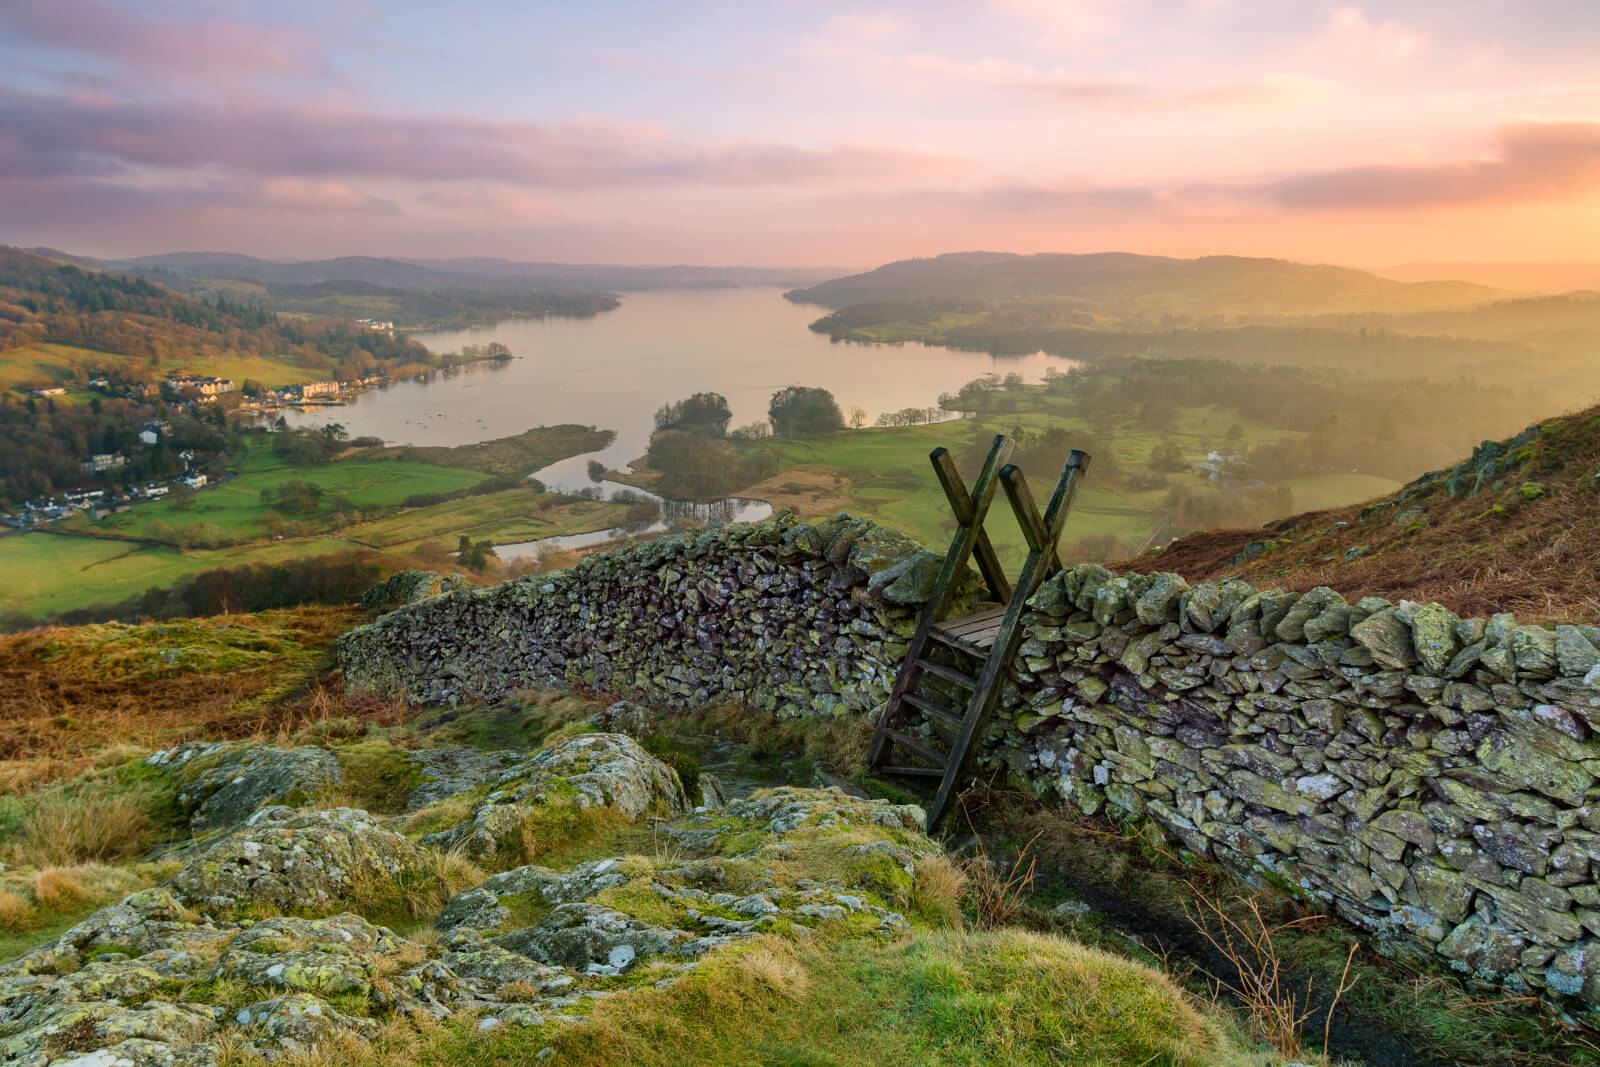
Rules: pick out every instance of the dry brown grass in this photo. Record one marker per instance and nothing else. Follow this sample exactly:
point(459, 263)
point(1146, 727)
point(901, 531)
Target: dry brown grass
point(56, 887)
point(73, 698)
point(417, 893)
point(938, 888)
point(15, 911)
point(62, 829)
point(1490, 552)
point(1275, 1009)
point(999, 892)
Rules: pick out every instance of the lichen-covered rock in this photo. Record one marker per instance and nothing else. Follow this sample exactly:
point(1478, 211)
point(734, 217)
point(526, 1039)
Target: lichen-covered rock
point(300, 1022)
point(111, 1033)
point(587, 771)
point(311, 862)
point(784, 810)
point(589, 937)
point(222, 785)
point(524, 891)
point(447, 772)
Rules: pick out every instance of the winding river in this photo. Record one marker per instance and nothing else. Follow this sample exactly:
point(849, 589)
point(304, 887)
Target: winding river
point(616, 369)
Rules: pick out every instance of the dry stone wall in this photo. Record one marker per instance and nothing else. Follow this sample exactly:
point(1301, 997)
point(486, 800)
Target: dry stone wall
point(781, 615)
point(1430, 779)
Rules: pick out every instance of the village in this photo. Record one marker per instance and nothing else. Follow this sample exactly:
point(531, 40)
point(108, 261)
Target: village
point(191, 391)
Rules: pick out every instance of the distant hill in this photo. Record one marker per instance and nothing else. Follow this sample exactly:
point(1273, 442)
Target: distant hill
point(461, 274)
point(1515, 527)
point(1551, 276)
point(1123, 285)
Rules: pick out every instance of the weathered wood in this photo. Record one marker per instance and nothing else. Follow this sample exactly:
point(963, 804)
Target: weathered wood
point(949, 674)
point(991, 634)
point(955, 491)
point(919, 746)
point(1041, 535)
point(928, 707)
point(955, 561)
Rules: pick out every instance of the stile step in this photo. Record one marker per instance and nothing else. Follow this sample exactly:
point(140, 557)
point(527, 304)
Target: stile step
point(938, 712)
point(949, 674)
point(917, 745)
point(913, 772)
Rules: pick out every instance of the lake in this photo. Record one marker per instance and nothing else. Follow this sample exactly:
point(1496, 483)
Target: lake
point(616, 369)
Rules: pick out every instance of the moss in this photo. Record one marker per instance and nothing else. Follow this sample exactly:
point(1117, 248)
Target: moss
point(377, 776)
point(1532, 491)
point(677, 755)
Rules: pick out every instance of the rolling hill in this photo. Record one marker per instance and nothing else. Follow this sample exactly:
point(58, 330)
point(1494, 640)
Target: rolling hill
point(1515, 527)
point(1122, 285)
point(461, 274)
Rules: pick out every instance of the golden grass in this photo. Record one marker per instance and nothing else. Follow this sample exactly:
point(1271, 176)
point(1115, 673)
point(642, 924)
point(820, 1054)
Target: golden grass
point(62, 829)
point(70, 695)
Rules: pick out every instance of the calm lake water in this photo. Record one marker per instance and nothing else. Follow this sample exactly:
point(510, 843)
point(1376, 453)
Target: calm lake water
point(613, 371)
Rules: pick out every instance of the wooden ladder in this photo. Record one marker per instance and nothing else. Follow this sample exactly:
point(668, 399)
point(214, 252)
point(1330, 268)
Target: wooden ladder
point(990, 634)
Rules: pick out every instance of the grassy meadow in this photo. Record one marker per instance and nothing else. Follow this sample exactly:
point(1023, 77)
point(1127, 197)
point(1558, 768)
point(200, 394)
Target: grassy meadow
point(414, 504)
point(884, 474)
point(59, 363)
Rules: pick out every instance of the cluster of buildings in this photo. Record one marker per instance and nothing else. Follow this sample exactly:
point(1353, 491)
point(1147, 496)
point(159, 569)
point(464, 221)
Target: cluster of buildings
point(206, 387)
point(376, 324)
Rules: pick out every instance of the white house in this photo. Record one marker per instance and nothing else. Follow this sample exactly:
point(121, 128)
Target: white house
point(194, 481)
point(148, 437)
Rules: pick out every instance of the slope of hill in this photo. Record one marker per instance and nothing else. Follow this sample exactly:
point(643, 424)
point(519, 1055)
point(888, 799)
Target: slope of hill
point(1552, 276)
point(459, 274)
point(60, 321)
point(1515, 528)
point(1122, 284)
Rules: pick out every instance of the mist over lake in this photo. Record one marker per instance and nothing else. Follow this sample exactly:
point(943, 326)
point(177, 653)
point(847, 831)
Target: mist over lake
point(616, 369)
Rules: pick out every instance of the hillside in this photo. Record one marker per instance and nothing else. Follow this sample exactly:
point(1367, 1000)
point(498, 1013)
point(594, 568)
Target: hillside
point(1549, 276)
point(59, 321)
point(464, 274)
point(1514, 528)
point(1121, 285)
point(248, 864)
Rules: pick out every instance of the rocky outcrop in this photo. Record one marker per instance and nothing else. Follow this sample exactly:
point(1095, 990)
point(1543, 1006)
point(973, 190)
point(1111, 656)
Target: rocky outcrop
point(222, 784)
point(287, 861)
point(586, 772)
point(807, 618)
point(177, 974)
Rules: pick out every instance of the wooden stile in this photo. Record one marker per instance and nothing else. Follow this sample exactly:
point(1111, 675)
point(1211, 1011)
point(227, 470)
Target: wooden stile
point(989, 634)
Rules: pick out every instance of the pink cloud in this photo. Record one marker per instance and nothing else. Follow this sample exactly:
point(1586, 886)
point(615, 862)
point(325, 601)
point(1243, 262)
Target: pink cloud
point(1534, 161)
point(498, 202)
point(301, 194)
point(166, 49)
point(44, 134)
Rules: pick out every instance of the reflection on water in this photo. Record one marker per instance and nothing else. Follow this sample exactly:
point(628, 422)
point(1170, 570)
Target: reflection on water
point(668, 512)
point(616, 369)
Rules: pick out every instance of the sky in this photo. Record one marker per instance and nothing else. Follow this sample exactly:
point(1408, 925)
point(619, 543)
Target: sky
point(788, 133)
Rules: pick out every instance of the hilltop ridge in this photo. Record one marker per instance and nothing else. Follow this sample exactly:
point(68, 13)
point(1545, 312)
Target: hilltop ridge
point(1120, 282)
point(1514, 527)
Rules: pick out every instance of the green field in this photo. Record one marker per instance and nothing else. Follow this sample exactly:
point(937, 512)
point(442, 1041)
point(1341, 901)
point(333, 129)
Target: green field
point(884, 474)
point(46, 573)
point(234, 509)
point(54, 364)
point(505, 517)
